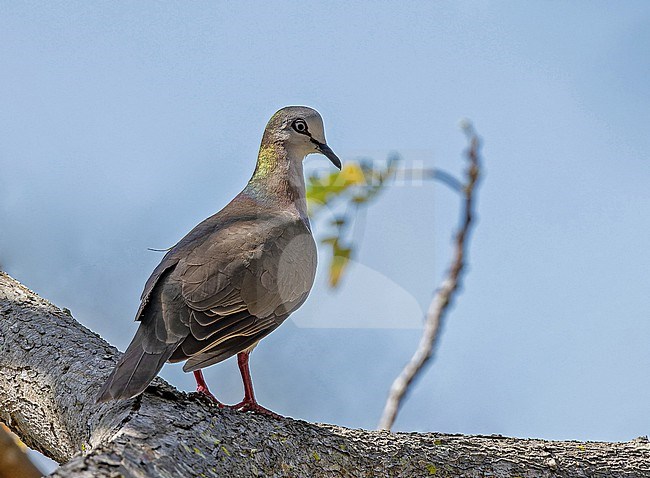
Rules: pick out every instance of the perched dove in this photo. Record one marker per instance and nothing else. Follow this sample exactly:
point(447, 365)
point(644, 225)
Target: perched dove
point(237, 275)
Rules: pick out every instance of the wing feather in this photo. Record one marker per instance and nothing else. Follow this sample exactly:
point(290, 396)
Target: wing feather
point(244, 284)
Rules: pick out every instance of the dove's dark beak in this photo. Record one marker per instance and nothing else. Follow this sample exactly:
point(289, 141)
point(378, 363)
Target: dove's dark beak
point(324, 149)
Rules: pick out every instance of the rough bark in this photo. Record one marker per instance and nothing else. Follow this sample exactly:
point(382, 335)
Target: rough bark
point(51, 368)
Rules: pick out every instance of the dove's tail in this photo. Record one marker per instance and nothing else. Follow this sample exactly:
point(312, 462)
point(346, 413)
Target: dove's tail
point(137, 368)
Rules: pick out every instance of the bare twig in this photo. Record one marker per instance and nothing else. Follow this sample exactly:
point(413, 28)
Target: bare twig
point(445, 295)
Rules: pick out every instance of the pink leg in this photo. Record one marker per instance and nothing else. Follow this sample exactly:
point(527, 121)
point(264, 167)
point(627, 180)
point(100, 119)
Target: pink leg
point(249, 404)
point(202, 388)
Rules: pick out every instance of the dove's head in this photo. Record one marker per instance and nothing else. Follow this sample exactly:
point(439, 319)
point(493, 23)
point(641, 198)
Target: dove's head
point(299, 130)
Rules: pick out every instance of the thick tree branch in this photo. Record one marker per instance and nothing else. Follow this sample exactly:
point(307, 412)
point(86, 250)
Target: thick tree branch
point(51, 369)
point(443, 297)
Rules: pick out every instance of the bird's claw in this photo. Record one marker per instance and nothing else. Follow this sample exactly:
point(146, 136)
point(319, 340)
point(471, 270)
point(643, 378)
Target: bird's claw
point(251, 406)
point(203, 391)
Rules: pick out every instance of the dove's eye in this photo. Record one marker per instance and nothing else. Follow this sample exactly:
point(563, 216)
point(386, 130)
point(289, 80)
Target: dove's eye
point(300, 126)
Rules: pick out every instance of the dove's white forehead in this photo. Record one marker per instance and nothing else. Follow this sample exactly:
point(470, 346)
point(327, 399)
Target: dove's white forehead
point(284, 117)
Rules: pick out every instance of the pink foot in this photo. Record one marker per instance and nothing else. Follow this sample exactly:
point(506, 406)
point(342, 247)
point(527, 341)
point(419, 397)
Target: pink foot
point(252, 406)
point(249, 404)
point(206, 393)
point(202, 388)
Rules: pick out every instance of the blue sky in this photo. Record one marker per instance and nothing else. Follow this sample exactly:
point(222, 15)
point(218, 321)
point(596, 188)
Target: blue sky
point(124, 124)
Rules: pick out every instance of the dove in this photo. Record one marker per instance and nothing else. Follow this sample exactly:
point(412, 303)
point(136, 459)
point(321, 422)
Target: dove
point(236, 276)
